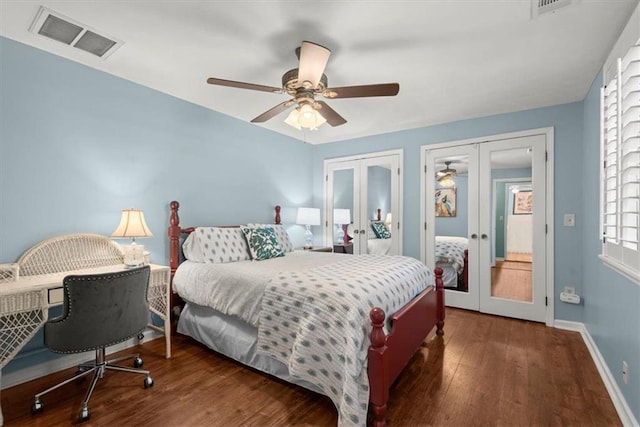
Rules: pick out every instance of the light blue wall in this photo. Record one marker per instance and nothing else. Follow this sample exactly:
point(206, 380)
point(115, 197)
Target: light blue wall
point(379, 191)
point(77, 146)
point(611, 302)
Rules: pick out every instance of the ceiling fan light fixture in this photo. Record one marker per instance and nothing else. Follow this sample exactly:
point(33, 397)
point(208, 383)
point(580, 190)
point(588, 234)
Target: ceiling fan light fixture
point(447, 182)
point(305, 116)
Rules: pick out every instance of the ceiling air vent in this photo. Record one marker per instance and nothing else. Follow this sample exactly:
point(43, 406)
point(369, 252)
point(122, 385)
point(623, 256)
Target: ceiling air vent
point(539, 7)
point(53, 25)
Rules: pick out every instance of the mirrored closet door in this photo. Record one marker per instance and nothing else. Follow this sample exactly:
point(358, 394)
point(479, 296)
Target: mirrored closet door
point(362, 203)
point(485, 224)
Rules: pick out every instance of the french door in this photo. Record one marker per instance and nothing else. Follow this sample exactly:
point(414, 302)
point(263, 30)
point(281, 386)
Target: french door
point(498, 197)
point(364, 189)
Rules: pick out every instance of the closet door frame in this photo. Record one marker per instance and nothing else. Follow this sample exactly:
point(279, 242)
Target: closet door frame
point(549, 260)
point(363, 161)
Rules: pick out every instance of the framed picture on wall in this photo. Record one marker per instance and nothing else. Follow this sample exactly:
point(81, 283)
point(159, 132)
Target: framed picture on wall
point(522, 203)
point(446, 202)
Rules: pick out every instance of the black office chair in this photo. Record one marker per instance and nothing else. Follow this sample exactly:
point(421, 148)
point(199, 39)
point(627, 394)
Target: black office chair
point(100, 310)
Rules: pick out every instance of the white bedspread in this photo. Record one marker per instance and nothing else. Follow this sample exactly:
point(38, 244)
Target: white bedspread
point(317, 323)
point(236, 288)
point(450, 249)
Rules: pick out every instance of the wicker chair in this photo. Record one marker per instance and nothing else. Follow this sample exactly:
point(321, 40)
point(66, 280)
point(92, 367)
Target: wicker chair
point(100, 310)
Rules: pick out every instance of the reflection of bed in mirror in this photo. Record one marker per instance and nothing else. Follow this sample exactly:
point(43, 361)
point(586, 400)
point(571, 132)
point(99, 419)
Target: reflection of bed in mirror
point(452, 256)
point(379, 242)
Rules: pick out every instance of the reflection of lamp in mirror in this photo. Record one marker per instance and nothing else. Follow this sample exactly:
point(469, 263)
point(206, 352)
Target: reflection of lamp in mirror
point(308, 217)
point(388, 220)
point(342, 217)
point(132, 225)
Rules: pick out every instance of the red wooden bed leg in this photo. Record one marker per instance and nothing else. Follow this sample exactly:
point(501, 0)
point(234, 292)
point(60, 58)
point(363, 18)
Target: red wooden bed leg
point(379, 391)
point(440, 301)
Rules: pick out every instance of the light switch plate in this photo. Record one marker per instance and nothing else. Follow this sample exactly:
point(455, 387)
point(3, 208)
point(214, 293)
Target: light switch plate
point(570, 220)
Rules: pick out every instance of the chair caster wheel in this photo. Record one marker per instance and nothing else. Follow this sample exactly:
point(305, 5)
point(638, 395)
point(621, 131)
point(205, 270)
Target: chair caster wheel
point(148, 382)
point(137, 362)
point(37, 407)
point(85, 414)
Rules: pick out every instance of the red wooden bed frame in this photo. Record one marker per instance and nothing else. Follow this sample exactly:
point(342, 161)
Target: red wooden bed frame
point(388, 354)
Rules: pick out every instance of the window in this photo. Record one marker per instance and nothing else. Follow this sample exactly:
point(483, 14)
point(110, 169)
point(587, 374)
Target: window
point(620, 178)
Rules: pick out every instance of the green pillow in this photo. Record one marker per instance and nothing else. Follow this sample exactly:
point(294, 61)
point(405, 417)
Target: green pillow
point(263, 243)
point(380, 229)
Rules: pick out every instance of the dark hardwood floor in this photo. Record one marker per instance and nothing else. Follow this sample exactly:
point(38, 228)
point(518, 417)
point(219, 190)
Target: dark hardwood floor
point(485, 371)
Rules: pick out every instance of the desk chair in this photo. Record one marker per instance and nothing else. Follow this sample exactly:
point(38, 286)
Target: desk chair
point(100, 310)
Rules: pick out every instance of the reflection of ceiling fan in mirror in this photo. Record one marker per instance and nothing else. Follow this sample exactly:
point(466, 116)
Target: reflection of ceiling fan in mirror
point(303, 84)
point(445, 176)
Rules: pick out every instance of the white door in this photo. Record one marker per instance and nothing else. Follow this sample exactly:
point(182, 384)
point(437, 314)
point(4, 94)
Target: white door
point(500, 194)
point(513, 284)
point(365, 189)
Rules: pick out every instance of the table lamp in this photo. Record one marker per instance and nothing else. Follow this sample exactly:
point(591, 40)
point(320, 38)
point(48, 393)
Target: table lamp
point(342, 218)
point(132, 225)
point(308, 217)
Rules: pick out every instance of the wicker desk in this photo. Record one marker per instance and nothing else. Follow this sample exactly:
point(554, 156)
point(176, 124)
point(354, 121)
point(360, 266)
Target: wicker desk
point(31, 286)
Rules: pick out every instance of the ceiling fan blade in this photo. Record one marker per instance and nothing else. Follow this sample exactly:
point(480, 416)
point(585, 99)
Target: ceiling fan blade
point(313, 60)
point(382, 89)
point(273, 112)
point(330, 115)
point(242, 85)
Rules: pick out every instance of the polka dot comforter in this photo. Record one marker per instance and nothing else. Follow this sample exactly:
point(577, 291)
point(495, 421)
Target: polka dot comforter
point(316, 321)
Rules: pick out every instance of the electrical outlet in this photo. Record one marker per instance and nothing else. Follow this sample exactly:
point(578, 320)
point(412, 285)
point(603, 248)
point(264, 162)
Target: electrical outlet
point(625, 372)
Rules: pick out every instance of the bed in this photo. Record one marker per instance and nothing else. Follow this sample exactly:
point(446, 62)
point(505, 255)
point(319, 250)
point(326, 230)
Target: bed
point(452, 256)
point(311, 323)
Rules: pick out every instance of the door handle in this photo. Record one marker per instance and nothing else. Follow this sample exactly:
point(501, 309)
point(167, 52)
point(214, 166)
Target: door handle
point(362, 231)
point(485, 237)
point(474, 236)
point(356, 231)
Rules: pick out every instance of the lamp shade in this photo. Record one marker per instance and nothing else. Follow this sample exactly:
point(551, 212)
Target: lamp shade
point(341, 216)
point(132, 224)
point(388, 220)
point(308, 216)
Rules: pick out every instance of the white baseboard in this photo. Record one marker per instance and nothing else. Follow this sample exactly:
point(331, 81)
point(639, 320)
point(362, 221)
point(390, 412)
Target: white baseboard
point(71, 360)
point(620, 403)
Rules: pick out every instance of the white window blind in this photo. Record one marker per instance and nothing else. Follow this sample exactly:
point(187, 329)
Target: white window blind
point(620, 199)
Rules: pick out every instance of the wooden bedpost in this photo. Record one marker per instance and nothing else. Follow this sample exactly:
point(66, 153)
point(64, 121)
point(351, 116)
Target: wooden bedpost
point(278, 219)
point(379, 214)
point(174, 237)
point(379, 391)
point(440, 298)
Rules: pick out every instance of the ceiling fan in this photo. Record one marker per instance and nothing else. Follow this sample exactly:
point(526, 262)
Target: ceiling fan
point(447, 172)
point(306, 82)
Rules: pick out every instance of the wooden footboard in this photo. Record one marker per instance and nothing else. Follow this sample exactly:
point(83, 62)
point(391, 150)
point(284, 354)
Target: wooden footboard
point(389, 354)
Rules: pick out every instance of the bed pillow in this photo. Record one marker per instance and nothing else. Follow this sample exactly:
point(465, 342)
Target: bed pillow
point(262, 242)
point(380, 229)
point(222, 244)
point(191, 248)
point(281, 235)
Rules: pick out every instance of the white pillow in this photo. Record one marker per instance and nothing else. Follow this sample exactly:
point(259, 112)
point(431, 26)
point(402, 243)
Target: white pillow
point(216, 245)
point(281, 235)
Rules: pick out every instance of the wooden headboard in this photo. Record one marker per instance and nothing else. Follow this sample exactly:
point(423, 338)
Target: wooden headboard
point(176, 232)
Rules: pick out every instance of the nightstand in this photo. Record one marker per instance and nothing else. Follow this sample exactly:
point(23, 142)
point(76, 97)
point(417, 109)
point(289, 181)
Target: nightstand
point(343, 249)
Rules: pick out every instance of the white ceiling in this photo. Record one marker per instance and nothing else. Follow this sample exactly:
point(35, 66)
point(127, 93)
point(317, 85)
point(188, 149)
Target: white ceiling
point(453, 59)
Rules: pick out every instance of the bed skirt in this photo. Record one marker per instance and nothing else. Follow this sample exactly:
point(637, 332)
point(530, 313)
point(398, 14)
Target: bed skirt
point(234, 338)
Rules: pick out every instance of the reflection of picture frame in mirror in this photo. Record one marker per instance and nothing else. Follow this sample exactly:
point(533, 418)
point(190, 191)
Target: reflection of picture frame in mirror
point(523, 203)
point(446, 202)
